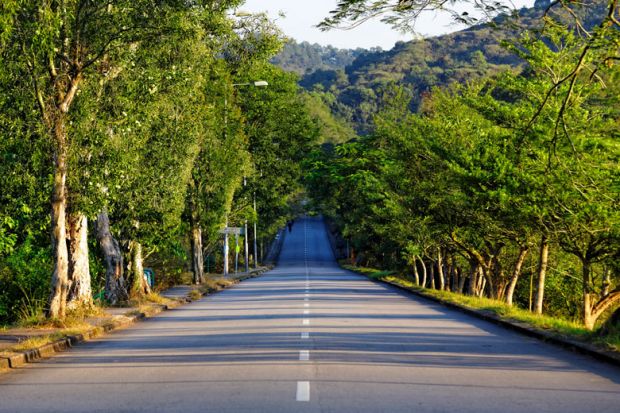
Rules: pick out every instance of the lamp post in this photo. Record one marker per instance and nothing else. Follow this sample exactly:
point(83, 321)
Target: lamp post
point(257, 83)
point(245, 240)
point(255, 232)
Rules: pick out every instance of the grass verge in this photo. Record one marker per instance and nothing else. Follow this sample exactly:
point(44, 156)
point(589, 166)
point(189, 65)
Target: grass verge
point(559, 326)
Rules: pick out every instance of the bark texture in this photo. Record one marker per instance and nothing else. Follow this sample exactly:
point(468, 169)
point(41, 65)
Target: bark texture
point(60, 277)
point(542, 272)
point(197, 258)
point(593, 308)
point(115, 286)
point(516, 273)
point(139, 286)
point(80, 292)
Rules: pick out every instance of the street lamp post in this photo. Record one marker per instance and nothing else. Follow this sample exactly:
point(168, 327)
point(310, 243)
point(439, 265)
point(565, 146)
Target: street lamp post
point(245, 240)
point(257, 83)
point(255, 232)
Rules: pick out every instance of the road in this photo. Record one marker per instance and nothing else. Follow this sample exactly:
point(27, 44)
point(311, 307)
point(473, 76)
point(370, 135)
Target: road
point(310, 337)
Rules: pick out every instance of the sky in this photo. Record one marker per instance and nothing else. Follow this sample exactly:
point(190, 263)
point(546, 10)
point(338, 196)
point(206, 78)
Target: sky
point(303, 15)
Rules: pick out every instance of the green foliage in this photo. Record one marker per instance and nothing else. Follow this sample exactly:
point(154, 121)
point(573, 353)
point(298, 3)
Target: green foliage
point(303, 58)
point(482, 172)
point(155, 127)
point(24, 276)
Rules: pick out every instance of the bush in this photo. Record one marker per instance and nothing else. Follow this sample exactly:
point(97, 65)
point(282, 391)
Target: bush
point(25, 279)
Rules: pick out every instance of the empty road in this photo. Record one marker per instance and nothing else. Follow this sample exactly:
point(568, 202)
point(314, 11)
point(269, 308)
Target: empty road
point(309, 337)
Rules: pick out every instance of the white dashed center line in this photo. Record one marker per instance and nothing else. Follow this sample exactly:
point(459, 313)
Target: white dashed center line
point(305, 335)
point(304, 355)
point(303, 391)
point(305, 322)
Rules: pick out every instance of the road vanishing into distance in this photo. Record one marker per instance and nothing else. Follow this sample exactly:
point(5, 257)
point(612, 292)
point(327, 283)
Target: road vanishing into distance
point(310, 337)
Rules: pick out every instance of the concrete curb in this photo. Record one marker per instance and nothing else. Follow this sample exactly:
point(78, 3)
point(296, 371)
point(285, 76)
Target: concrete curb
point(523, 328)
point(19, 359)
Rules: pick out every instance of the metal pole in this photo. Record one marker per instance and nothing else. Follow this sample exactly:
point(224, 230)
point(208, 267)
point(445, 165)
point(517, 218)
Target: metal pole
point(255, 232)
point(236, 253)
point(245, 246)
point(226, 234)
point(226, 250)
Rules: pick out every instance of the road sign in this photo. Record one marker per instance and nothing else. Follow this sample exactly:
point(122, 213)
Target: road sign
point(232, 231)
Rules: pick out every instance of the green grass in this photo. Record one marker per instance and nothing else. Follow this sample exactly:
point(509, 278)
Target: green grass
point(563, 327)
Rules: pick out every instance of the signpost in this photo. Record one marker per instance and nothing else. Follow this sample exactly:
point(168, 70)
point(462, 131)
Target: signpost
point(236, 231)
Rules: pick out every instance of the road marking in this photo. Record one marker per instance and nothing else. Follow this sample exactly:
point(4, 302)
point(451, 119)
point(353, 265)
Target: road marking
point(305, 335)
point(307, 295)
point(306, 322)
point(304, 355)
point(306, 311)
point(303, 391)
point(306, 304)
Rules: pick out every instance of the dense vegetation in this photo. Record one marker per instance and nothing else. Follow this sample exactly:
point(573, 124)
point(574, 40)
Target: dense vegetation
point(305, 57)
point(507, 187)
point(354, 92)
point(136, 125)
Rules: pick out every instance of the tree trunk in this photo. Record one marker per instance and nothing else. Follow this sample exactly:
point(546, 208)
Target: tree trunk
point(483, 283)
point(80, 293)
point(197, 258)
point(487, 271)
point(423, 283)
point(431, 274)
point(115, 287)
point(196, 235)
point(591, 310)
point(542, 272)
point(462, 279)
point(416, 275)
point(440, 271)
point(473, 279)
point(139, 286)
point(516, 273)
point(60, 278)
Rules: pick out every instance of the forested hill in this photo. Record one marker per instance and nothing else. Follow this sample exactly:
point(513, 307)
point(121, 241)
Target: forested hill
point(304, 58)
point(354, 92)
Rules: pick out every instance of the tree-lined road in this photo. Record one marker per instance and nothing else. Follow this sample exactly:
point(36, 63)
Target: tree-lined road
point(310, 337)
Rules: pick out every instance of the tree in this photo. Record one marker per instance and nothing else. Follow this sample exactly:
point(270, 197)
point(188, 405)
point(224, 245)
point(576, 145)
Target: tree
point(63, 45)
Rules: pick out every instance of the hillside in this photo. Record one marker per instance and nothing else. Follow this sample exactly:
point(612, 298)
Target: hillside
point(354, 91)
point(305, 57)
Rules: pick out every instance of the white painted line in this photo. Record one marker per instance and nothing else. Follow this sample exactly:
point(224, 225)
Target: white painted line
point(305, 335)
point(303, 391)
point(304, 355)
point(306, 304)
point(305, 322)
point(306, 311)
point(307, 295)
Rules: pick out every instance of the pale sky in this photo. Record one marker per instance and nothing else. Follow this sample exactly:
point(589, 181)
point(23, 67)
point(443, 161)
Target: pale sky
point(303, 15)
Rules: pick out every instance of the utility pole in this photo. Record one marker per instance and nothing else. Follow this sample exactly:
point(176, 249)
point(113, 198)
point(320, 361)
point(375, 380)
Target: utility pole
point(255, 232)
point(226, 250)
point(245, 246)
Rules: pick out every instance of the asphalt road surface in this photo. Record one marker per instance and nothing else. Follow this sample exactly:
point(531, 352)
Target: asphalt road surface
point(309, 337)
